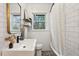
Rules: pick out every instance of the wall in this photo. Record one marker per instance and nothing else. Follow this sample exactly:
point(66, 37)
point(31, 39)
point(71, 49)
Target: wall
point(71, 44)
point(3, 25)
point(23, 7)
point(41, 36)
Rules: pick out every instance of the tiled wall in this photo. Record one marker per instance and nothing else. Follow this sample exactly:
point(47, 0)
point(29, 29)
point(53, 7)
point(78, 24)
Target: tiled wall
point(71, 43)
point(3, 25)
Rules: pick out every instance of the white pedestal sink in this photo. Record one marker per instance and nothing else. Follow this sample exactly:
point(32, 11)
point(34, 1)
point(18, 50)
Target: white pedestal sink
point(23, 48)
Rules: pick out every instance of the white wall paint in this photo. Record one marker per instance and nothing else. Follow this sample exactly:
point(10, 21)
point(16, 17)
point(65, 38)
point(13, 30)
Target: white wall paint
point(71, 42)
point(41, 36)
point(14, 8)
point(3, 25)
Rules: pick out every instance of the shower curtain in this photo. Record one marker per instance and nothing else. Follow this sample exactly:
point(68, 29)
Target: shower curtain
point(64, 22)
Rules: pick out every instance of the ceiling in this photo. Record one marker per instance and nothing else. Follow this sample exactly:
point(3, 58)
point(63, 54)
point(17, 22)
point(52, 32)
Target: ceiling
point(45, 6)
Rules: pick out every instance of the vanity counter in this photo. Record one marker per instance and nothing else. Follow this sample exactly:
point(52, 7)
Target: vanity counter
point(25, 47)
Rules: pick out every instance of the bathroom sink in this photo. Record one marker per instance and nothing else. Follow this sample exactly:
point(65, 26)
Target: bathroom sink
point(27, 47)
point(22, 47)
point(28, 43)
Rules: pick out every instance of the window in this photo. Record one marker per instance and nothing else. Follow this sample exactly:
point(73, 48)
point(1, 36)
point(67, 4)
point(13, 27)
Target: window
point(39, 21)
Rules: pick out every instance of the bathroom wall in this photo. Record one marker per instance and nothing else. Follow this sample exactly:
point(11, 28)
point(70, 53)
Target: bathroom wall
point(23, 8)
point(15, 8)
point(71, 43)
point(42, 36)
point(3, 25)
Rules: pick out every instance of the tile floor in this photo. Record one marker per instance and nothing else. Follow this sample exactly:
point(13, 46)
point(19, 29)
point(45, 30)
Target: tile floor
point(47, 53)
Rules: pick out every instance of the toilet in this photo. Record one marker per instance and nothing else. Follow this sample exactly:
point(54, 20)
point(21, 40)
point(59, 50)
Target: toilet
point(39, 49)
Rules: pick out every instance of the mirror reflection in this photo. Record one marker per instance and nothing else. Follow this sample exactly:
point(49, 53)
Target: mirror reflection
point(14, 17)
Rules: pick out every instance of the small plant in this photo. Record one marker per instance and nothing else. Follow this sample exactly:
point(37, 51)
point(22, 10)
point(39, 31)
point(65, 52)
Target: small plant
point(11, 39)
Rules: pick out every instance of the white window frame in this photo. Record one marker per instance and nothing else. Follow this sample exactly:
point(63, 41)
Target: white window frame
point(38, 13)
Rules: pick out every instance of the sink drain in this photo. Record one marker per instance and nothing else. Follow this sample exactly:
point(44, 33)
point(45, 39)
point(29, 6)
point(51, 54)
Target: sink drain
point(24, 46)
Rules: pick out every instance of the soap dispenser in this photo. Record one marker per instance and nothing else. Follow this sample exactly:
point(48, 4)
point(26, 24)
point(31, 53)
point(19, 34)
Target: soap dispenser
point(10, 45)
point(17, 39)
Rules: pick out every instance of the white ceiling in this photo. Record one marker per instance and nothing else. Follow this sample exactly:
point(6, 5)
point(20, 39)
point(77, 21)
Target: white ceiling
point(46, 6)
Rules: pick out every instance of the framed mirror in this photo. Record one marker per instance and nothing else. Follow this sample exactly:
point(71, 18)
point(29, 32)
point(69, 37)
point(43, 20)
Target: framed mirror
point(13, 12)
